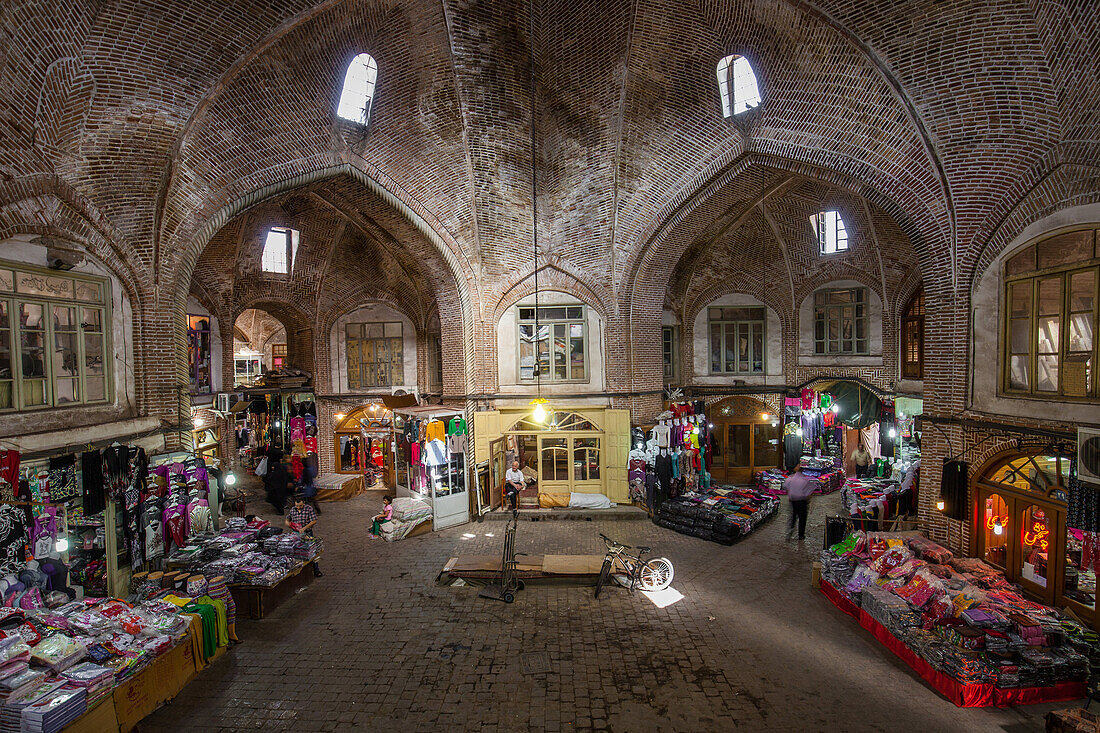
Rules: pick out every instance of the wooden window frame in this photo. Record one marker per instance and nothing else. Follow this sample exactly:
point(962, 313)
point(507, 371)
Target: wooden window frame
point(394, 362)
point(824, 313)
point(913, 318)
point(12, 293)
point(749, 324)
point(550, 322)
point(1030, 281)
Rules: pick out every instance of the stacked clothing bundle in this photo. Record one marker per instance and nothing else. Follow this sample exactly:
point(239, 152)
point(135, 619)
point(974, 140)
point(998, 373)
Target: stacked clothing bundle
point(54, 711)
point(20, 684)
point(721, 514)
point(97, 680)
point(58, 652)
point(964, 618)
point(11, 720)
point(248, 554)
point(771, 481)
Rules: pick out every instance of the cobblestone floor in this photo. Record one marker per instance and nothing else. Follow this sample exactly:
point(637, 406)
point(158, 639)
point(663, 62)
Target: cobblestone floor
point(377, 645)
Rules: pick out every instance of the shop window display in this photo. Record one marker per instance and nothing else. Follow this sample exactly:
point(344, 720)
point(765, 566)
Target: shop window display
point(52, 340)
point(1035, 540)
point(995, 523)
point(198, 353)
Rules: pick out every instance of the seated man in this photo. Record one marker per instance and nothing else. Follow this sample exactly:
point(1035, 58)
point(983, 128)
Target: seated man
point(514, 482)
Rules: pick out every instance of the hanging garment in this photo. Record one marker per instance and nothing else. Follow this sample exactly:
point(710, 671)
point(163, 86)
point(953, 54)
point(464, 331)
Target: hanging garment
point(376, 456)
point(44, 533)
point(457, 426)
point(9, 474)
point(435, 431)
point(435, 453)
point(663, 434)
point(663, 469)
point(91, 471)
point(15, 522)
point(63, 478)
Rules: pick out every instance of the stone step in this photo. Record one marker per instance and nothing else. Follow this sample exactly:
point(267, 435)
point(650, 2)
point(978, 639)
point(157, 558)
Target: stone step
point(558, 513)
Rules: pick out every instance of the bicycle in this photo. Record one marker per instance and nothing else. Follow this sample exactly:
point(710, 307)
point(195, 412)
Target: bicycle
point(649, 575)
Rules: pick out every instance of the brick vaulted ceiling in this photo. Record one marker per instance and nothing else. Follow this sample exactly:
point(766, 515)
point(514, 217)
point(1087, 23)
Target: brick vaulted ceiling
point(150, 130)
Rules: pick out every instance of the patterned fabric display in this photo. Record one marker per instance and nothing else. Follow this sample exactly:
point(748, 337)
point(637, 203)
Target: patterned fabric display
point(63, 486)
point(14, 536)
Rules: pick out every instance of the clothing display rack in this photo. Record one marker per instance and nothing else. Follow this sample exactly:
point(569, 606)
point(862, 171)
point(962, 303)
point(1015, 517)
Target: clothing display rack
point(430, 444)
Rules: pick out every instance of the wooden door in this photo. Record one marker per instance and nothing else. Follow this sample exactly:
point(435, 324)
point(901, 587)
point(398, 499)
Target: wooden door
point(739, 447)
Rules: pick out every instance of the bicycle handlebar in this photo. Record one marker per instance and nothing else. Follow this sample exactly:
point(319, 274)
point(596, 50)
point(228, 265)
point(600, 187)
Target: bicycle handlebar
point(610, 541)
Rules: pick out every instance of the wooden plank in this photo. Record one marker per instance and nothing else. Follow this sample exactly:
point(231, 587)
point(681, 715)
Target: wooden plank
point(572, 564)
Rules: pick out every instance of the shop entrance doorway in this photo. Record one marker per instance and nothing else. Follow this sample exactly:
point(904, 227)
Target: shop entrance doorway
point(1020, 527)
point(563, 454)
point(747, 440)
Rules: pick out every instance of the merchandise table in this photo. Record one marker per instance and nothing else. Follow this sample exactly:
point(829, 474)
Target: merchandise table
point(256, 601)
point(962, 695)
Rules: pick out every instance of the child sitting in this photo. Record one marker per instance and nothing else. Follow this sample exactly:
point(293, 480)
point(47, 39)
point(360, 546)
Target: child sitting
point(385, 516)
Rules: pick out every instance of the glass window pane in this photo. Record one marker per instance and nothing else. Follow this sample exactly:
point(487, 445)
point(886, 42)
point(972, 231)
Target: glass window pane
point(995, 529)
point(1082, 291)
point(66, 391)
point(715, 347)
point(1020, 329)
point(1019, 299)
point(730, 347)
point(32, 348)
point(374, 330)
point(1035, 539)
point(1050, 296)
point(1080, 332)
point(1019, 370)
point(757, 349)
point(30, 316)
point(34, 392)
point(393, 330)
point(1064, 249)
point(49, 286)
point(89, 292)
point(1047, 373)
point(527, 314)
point(1049, 331)
point(7, 281)
point(575, 312)
point(6, 397)
point(1022, 262)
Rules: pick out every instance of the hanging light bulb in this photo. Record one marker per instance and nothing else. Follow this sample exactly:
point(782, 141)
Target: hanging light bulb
point(230, 479)
point(998, 528)
point(940, 505)
point(765, 416)
point(893, 433)
point(835, 408)
point(199, 422)
point(799, 433)
point(339, 416)
point(540, 410)
point(62, 545)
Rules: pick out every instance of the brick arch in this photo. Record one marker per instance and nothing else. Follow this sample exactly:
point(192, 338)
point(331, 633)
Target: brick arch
point(738, 406)
point(457, 268)
point(551, 277)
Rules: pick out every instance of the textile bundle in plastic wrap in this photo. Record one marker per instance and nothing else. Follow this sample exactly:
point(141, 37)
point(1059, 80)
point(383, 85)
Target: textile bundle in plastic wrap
point(721, 514)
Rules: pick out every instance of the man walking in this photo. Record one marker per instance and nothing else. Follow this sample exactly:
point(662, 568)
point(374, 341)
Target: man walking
point(799, 488)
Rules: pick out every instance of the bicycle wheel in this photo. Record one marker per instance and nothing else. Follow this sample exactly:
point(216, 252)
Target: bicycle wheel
point(605, 571)
point(656, 574)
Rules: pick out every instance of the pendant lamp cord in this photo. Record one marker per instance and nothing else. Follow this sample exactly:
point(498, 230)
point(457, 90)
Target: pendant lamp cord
point(535, 205)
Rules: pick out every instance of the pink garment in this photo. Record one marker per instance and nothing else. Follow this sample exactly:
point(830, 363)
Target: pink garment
point(414, 452)
point(387, 511)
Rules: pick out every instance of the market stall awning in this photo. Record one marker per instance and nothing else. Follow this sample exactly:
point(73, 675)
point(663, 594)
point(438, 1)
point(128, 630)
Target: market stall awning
point(858, 406)
point(240, 406)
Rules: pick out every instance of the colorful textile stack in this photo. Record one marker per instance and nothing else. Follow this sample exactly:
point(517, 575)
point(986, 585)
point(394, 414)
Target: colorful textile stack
point(721, 514)
point(964, 618)
point(771, 481)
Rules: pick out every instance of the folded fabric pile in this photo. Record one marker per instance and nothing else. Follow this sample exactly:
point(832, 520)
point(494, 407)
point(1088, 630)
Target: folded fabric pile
point(771, 481)
point(54, 711)
point(721, 514)
point(962, 616)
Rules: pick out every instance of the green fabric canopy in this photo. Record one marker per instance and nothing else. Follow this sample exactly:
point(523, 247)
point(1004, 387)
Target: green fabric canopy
point(859, 406)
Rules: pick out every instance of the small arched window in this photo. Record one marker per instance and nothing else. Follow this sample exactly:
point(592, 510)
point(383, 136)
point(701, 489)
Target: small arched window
point(912, 338)
point(358, 93)
point(832, 237)
point(737, 85)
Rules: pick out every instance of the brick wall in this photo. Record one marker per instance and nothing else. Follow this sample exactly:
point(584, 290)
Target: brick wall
point(167, 143)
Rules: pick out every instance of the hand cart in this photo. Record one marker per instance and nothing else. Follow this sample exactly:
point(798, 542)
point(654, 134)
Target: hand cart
point(505, 589)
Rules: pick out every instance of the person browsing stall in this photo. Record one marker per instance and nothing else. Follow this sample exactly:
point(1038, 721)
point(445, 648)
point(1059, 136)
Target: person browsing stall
point(799, 488)
point(300, 518)
point(514, 482)
point(862, 458)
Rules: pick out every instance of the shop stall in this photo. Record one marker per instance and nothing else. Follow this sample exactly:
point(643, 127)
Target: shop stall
point(565, 453)
point(285, 419)
point(746, 440)
point(959, 623)
point(671, 458)
point(430, 443)
point(1035, 523)
point(363, 441)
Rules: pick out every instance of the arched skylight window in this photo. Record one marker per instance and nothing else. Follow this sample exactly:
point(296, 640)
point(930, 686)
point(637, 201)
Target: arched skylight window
point(280, 247)
point(737, 85)
point(355, 100)
point(829, 229)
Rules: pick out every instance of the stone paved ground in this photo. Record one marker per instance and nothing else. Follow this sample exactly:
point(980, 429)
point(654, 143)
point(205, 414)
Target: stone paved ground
point(377, 645)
